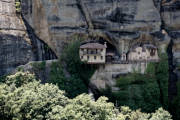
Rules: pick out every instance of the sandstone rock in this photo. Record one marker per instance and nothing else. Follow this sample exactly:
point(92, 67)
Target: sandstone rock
point(122, 23)
point(171, 15)
point(15, 46)
point(18, 45)
point(35, 67)
point(119, 20)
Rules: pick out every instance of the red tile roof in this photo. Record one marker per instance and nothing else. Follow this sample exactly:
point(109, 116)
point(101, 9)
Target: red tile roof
point(93, 46)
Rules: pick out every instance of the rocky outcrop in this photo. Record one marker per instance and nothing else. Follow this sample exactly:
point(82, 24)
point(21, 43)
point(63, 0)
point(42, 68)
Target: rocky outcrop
point(170, 14)
point(18, 44)
point(122, 23)
point(119, 22)
point(41, 69)
point(106, 75)
point(48, 25)
point(15, 45)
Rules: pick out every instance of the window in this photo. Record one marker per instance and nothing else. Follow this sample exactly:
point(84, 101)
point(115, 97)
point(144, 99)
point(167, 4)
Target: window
point(81, 57)
point(95, 57)
point(96, 51)
point(101, 57)
point(138, 52)
point(82, 50)
point(152, 52)
point(101, 50)
point(88, 57)
point(92, 52)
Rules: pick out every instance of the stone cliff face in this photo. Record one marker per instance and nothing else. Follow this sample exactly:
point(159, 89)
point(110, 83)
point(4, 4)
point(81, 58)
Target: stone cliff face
point(122, 23)
point(170, 14)
point(47, 26)
point(16, 45)
point(117, 21)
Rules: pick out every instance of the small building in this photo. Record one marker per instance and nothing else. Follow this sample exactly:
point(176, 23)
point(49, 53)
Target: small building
point(93, 53)
point(147, 52)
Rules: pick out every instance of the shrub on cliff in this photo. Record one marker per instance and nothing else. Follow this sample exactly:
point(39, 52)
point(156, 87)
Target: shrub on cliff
point(72, 85)
point(141, 91)
point(79, 73)
point(74, 64)
point(147, 91)
point(162, 76)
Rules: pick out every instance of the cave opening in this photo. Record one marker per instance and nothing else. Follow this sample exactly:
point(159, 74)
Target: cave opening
point(110, 48)
point(111, 51)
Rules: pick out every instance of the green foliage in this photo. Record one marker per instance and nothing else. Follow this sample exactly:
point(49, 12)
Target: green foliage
point(35, 101)
point(134, 78)
point(30, 101)
point(3, 79)
point(145, 96)
point(84, 108)
point(19, 78)
point(74, 64)
point(162, 76)
point(128, 114)
point(160, 114)
point(73, 85)
point(151, 69)
point(80, 73)
point(18, 6)
point(175, 105)
point(37, 66)
point(147, 91)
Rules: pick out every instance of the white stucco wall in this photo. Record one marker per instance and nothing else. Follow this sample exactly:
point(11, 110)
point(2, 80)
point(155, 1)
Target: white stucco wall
point(91, 56)
point(143, 55)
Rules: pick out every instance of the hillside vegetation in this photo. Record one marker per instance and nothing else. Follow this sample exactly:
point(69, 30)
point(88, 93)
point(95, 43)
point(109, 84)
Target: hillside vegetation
point(30, 99)
point(147, 91)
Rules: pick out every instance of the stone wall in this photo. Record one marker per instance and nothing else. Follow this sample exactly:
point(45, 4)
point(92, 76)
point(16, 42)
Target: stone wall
point(106, 74)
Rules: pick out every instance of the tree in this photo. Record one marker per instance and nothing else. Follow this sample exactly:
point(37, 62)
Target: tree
point(162, 76)
point(72, 85)
point(138, 91)
point(79, 72)
point(20, 78)
point(35, 101)
point(84, 108)
point(30, 101)
point(128, 114)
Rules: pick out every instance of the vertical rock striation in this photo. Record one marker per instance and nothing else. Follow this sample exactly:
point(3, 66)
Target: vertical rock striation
point(170, 13)
point(18, 45)
point(119, 22)
point(15, 46)
point(51, 24)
